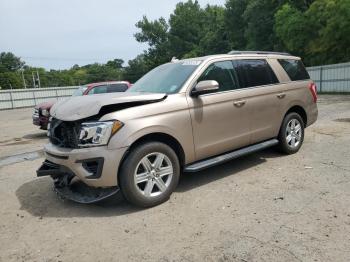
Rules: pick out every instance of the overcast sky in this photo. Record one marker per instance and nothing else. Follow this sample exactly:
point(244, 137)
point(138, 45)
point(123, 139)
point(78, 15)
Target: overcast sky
point(57, 34)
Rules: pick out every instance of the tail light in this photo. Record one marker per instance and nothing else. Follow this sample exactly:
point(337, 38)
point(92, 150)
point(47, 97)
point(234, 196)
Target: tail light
point(313, 90)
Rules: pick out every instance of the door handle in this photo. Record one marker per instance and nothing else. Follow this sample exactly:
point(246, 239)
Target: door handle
point(239, 103)
point(282, 95)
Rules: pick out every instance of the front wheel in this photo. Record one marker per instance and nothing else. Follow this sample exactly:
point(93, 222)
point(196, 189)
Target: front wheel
point(149, 174)
point(291, 135)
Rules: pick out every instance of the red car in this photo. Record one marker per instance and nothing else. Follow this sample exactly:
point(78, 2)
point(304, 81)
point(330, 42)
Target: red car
point(41, 112)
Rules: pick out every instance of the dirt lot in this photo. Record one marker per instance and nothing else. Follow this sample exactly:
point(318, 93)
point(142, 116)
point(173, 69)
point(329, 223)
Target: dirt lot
point(263, 207)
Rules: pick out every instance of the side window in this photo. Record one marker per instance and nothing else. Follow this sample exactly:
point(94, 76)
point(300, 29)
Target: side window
point(117, 88)
point(98, 90)
point(254, 72)
point(223, 73)
point(295, 69)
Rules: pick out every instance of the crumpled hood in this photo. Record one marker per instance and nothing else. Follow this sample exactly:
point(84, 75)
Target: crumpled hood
point(79, 107)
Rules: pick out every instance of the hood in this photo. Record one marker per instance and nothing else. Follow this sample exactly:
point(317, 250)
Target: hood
point(79, 107)
point(46, 105)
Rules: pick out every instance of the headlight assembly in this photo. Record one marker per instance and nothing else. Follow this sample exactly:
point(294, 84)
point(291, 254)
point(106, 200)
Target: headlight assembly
point(45, 112)
point(97, 133)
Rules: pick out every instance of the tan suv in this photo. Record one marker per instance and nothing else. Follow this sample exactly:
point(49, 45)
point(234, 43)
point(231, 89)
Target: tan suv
point(185, 115)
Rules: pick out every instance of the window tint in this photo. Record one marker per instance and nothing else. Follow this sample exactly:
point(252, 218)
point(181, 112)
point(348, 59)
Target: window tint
point(117, 88)
point(295, 69)
point(98, 90)
point(254, 72)
point(223, 73)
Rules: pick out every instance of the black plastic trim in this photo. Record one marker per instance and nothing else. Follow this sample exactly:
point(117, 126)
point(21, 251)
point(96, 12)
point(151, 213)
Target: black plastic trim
point(100, 162)
point(209, 162)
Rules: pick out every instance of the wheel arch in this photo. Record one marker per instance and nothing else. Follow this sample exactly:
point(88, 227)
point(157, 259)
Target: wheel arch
point(300, 110)
point(165, 138)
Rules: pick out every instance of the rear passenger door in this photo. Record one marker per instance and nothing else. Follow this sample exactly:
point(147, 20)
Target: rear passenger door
point(261, 84)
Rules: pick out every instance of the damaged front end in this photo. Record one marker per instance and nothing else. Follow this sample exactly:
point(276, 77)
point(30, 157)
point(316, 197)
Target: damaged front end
point(78, 159)
point(69, 186)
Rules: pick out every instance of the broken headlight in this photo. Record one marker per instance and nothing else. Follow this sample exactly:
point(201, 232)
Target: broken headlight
point(97, 133)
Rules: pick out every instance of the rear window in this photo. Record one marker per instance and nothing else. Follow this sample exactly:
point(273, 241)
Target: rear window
point(295, 69)
point(254, 72)
point(117, 88)
point(110, 88)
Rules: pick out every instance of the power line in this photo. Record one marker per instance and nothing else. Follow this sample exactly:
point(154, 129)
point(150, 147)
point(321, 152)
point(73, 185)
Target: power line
point(68, 59)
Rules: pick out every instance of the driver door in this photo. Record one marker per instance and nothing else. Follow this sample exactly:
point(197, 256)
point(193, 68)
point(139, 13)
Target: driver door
point(220, 120)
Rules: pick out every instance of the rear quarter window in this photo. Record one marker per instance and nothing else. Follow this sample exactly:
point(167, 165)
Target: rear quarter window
point(295, 69)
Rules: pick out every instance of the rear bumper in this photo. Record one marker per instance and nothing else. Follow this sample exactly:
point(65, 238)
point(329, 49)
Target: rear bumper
point(312, 114)
point(95, 167)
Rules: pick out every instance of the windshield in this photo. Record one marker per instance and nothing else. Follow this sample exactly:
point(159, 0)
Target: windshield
point(80, 91)
point(167, 78)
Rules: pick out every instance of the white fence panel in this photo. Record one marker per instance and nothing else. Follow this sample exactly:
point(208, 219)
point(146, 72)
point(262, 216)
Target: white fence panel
point(331, 78)
point(328, 78)
point(19, 98)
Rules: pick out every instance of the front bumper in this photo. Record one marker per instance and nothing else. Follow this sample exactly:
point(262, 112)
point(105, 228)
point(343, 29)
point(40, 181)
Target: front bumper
point(68, 187)
point(41, 121)
point(77, 162)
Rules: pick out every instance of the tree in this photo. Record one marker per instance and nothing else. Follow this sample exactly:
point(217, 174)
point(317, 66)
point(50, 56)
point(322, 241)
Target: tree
point(186, 25)
point(10, 80)
point(235, 23)
point(136, 68)
point(115, 63)
point(9, 62)
point(214, 37)
point(155, 34)
point(293, 28)
point(321, 33)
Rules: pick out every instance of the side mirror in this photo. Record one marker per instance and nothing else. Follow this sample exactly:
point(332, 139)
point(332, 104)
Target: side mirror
point(205, 87)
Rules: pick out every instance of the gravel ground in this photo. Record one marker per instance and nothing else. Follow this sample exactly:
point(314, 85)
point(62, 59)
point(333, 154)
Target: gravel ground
point(263, 207)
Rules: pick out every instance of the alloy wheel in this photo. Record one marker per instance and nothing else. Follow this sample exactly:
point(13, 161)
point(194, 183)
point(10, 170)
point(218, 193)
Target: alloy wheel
point(153, 174)
point(293, 133)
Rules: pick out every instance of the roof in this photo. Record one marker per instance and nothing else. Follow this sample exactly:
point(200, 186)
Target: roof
point(245, 54)
point(106, 83)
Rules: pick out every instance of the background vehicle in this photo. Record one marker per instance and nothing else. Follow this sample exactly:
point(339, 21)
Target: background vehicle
point(185, 115)
point(41, 112)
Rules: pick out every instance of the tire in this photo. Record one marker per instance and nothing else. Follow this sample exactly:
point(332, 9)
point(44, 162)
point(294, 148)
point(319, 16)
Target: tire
point(291, 135)
point(145, 173)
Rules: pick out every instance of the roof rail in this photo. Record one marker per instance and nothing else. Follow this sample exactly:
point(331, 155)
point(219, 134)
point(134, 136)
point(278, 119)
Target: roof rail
point(235, 52)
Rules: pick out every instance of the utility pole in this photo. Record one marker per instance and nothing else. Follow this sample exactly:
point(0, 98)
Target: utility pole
point(24, 81)
point(34, 85)
point(38, 77)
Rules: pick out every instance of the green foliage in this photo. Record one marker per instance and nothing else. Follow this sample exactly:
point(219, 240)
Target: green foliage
point(320, 34)
point(316, 30)
point(292, 27)
point(235, 23)
point(10, 80)
point(10, 63)
point(136, 69)
point(13, 70)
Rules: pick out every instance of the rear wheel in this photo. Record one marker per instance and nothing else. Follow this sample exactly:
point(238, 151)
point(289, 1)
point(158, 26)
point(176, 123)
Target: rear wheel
point(291, 135)
point(149, 174)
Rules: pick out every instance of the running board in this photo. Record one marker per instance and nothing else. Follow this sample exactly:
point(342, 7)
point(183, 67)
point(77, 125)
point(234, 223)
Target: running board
point(229, 156)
